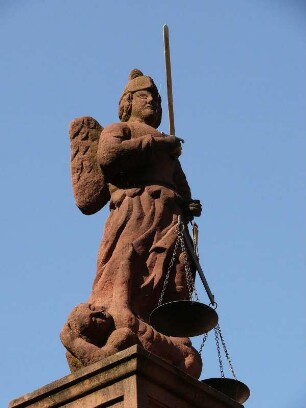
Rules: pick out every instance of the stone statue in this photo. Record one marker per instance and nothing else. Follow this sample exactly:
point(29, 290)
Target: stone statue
point(135, 168)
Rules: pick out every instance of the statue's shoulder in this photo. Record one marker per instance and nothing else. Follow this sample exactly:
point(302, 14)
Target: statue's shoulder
point(129, 130)
point(89, 187)
point(117, 129)
point(137, 129)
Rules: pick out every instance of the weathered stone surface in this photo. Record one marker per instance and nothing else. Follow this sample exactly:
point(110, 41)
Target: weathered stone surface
point(89, 187)
point(133, 378)
point(140, 172)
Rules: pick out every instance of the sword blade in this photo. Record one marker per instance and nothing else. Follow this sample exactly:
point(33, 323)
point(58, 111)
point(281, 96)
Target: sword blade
point(169, 80)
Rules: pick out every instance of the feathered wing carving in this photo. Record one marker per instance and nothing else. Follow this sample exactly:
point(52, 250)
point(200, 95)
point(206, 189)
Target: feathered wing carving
point(89, 187)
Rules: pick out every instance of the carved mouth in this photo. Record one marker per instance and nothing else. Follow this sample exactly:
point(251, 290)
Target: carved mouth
point(98, 315)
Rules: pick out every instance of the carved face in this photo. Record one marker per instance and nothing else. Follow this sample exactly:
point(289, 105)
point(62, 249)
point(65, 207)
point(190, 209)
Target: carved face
point(92, 324)
point(144, 106)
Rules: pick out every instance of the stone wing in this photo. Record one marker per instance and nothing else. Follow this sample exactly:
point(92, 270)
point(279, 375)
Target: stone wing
point(89, 187)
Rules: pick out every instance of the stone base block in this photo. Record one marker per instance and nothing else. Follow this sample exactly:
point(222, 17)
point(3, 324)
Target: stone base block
point(133, 378)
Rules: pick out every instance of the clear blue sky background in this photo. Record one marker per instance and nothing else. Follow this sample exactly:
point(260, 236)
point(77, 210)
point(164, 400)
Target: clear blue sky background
point(240, 104)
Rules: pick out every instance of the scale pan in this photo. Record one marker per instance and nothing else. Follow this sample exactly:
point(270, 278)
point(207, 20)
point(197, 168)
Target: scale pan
point(232, 388)
point(183, 318)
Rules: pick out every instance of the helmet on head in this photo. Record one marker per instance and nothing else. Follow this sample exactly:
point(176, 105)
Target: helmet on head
point(137, 82)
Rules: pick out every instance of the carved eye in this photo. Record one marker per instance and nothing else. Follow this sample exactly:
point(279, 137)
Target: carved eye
point(142, 95)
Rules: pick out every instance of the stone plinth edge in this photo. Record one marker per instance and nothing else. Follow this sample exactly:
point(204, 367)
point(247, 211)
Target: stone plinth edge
point(132, 378)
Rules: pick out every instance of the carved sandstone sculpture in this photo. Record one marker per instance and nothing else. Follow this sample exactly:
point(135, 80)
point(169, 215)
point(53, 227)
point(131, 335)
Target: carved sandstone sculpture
point(136, 168)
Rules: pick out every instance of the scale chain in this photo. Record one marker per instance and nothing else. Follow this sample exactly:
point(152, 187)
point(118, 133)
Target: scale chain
point(203, 343)
point(219, 352)
point(218, 329)
point(190, 281)
point(169, 270)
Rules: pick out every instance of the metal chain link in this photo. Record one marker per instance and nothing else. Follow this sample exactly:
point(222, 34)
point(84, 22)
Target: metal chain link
point(190, 281)
point(203, 342)
point(217, 328)
point(218, 334)
point(177, 243)
point(219, 352)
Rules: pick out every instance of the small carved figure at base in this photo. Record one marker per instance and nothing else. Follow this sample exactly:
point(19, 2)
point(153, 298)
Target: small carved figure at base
point(89, 336)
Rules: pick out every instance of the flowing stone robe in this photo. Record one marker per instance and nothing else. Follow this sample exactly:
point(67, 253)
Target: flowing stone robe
point(148, 191)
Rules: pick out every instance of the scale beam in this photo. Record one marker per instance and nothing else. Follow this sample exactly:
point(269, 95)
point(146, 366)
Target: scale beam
point(197, 265)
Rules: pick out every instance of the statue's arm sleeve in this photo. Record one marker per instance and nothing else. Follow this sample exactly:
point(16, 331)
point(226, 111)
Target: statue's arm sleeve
point(119, 153)
point(181, 182)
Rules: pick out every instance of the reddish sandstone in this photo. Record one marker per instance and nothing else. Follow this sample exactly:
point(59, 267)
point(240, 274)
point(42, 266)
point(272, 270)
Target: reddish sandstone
point(137, 169)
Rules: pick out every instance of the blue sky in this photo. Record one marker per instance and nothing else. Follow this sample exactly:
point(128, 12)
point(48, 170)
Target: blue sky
point(240, 102)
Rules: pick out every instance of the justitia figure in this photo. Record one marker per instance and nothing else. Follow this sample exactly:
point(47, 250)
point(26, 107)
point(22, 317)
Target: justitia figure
point(136, 168)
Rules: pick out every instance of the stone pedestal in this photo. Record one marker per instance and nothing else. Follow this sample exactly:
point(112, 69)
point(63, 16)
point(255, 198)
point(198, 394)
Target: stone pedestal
point(133, 378)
